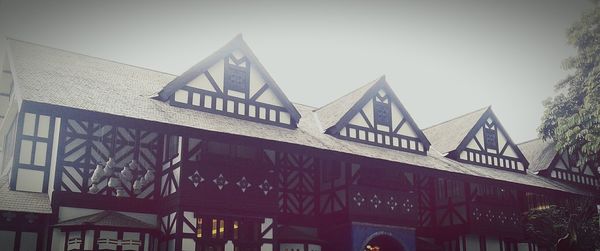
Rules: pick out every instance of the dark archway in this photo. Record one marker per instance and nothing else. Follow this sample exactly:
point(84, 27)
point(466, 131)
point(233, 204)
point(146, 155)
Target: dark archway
point(383, 243)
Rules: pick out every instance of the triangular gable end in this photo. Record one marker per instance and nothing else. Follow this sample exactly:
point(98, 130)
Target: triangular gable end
point(488, 144)
point(232, 82)
point(564, 167)
point(379, 118)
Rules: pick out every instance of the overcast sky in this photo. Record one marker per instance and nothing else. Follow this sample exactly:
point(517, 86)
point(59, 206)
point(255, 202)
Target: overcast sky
point(443, 58)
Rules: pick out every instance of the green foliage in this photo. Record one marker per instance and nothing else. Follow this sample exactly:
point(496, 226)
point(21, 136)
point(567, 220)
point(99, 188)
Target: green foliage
point(572, 117)
point(576, 217)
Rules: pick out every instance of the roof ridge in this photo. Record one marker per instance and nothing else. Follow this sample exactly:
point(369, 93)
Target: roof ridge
point(370, 83)
point(86, 55)
point(530, 140)
point(455, 118)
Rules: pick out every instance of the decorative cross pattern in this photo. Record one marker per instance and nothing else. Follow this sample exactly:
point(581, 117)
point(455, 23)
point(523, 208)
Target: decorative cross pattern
point(358, 199)
point(220, 181)
point(243, 184)
point(196, 179)
point(375, 201)
point(265, 187)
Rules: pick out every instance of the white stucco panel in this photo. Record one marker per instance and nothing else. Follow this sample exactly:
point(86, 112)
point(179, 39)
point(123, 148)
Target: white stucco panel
point(202, 82)
point(269, 97)
point(217, 73)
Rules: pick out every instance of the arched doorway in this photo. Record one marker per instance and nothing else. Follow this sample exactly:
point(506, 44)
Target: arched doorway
point(383, 243)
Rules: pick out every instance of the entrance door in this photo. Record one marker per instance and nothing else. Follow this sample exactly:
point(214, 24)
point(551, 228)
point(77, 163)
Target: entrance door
point(383, 243)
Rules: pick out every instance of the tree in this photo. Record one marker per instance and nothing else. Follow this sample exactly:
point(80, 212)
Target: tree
point(572, 118)
point(577, 218)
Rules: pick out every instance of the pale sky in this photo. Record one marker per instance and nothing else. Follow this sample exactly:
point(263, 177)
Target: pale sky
point(443, 58)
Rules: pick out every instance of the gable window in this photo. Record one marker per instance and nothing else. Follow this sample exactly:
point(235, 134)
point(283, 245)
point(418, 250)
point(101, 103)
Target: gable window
point(490, 138)
point(237, 75)
point(382, 113)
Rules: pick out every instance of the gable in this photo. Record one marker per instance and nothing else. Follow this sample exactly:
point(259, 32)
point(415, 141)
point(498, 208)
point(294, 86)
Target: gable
point(488, 144)
point(379, 118)
point(232, 83)
point(564, 167)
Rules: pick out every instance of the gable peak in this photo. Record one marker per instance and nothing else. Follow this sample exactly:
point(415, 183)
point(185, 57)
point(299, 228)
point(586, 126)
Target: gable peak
point(372, 114)
point(232, 81)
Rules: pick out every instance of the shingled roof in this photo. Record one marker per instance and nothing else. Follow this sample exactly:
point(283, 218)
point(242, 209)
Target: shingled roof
point(106, 219)
point(539, 152)
point(333, 112)
point(447, 136)
point(19, 201)
point(66, 79)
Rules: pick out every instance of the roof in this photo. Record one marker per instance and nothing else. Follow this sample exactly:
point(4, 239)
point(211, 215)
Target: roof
point(18, 201)
point(106, 219)
point(539, 152)
point(447, 136)
point(330, 114)
point(61, 78)
point(236, 43)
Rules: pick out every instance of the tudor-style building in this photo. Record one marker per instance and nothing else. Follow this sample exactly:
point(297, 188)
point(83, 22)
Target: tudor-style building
point(98, 155)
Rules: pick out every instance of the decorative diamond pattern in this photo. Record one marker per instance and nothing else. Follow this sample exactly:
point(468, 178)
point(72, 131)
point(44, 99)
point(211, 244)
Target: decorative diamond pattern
point(196, 179)
point(375, 201)
point(493, 216)
point(243, 184)
point(477, 214)
point(408, 205)
point(265, 187)
point(358, 199)
point(392, 203)
point(220, 181)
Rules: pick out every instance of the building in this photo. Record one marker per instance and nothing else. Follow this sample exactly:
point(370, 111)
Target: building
point(99, 155)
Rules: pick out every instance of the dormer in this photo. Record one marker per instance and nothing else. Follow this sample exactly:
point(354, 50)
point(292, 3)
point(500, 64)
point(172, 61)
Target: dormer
point(232, 82)
point(477, 138)
point(373, 115)
point(546, 161)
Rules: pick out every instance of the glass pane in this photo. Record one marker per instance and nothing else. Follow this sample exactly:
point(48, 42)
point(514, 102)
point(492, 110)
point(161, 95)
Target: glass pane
point(7, 240)
point(28, 241)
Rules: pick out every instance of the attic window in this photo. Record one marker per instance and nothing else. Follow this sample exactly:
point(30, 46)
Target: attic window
point(490, 138)
point(382, 113)
point(237, 77)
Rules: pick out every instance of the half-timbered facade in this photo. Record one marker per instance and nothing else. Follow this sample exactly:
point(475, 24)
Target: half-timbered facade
point(98, 155)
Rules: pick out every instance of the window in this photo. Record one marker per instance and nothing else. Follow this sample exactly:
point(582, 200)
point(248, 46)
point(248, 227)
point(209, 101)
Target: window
point(490, 138)
point(199, 227)
point(172, 146)
point(231, 150)
point(382, 113)
point(493, 194)
point(236, 229)
point(237, 75)
point(449, 189)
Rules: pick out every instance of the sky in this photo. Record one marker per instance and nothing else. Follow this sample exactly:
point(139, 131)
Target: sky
point(442, 58)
